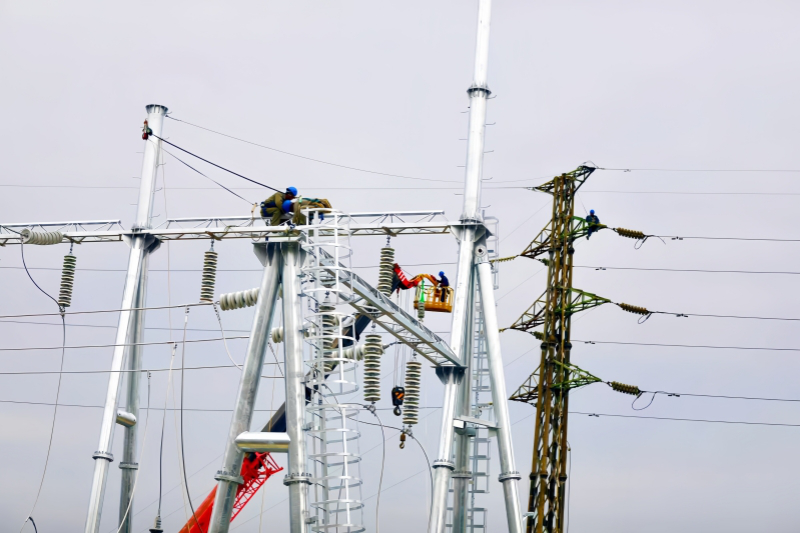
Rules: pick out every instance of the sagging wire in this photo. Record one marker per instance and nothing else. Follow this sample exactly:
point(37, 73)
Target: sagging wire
point(183, 451)
point(32, 522)
point(61, 310)
point(371, 409)
point(141, 454)
point(224, 342)
point(208, 178)
point(161, 445)
point(214, 164)
point(633, 390)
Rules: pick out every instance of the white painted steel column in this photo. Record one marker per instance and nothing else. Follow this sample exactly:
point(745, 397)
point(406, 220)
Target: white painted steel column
point(465, 286)
point(509, 476)
point(297, 478)
point(128, 465)
point(140, 245)
point(229, 478)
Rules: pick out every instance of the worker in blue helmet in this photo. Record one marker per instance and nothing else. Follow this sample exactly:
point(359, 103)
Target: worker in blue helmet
point(593, 221)
point(443, 284)
point(272, 207)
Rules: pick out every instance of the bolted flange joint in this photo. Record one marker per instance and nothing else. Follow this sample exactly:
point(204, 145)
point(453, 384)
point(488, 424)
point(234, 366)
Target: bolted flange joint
point(223, 475)
point(103, 455)
point(129, 466)
point(291, 479)
point(462, 475)
point(509, 475)
point(444, 463)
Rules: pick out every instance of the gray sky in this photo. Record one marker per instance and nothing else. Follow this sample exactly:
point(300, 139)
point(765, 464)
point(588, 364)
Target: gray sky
point(642, 85)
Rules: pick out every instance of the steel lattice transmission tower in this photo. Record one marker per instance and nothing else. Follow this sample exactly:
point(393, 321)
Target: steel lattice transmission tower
point(548, 387)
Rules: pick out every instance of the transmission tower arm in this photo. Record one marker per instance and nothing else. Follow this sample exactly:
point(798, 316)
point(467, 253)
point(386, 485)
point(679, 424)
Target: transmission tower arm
point(574, 377)
point(578, 300)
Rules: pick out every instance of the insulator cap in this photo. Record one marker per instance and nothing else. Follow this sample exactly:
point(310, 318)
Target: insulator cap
point(412, 392)
point(634, 309)
point(630, 233)
point(625, 389)
point(238, 300)
point(43, 238)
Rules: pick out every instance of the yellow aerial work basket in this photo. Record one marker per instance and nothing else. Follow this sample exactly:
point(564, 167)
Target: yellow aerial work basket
point(437, 299)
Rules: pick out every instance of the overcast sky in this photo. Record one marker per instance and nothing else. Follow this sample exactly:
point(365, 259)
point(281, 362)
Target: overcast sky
point(681, 85)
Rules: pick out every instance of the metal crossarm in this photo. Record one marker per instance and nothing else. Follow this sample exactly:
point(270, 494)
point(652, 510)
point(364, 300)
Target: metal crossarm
point(572, 378)
point(396, 321)
point(577, 299)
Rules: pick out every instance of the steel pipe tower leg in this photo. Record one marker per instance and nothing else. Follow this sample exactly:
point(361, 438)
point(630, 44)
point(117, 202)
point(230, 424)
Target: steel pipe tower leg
point(297, 478)
point(509, 476)
point(462, 476)
point(128, 465)
point(140, 245)
point(478, 94)
point(228, 477)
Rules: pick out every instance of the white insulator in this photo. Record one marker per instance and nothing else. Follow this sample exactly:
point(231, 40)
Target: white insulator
point(386, 270)
point(373, 350)
point(238, 300)
point(41, 237)
point(411, 402)
point(421, 311)
point(277, 335)
point(209, 277)
point(67, 281)
point(329, 323)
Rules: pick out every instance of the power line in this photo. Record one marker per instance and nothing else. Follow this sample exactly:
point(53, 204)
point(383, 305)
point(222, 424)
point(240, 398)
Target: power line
point(709, 421)
point(215, 181)
point(213, 164)
point(311, 158)
point(87, 346)
point(200, 269)
point(109, 326)
point(707, 346)
point(38, 372)
point(107, 310)
point(690, 270)
point(699, 169)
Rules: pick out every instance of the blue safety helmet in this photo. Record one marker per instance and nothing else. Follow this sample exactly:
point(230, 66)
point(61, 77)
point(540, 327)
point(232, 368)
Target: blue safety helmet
point(441, 274)
point(287, 206)
point(291, 190)
point(591, 211)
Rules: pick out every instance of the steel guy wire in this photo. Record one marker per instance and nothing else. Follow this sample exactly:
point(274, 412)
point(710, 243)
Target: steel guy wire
point(215, 181)
point(214, 164)
point(311, 158)
point(87, 346)
point(46, 372)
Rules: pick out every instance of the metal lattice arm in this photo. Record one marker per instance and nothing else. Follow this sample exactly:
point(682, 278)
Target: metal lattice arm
point(574, 377)
point(534, 316)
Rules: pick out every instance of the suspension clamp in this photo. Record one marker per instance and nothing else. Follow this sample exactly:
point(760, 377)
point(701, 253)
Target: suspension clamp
point(443, 463)
point(129, 466)
point(103, 455)
point(222, 475)
point(291, 479)
point(509, 475)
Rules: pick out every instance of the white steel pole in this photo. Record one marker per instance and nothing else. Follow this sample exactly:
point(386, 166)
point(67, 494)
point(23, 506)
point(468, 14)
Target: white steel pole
point(465, 286)
point(229, 478)
point(297, 477)
point(509, 476)
point(140, 245)
point(128, 465)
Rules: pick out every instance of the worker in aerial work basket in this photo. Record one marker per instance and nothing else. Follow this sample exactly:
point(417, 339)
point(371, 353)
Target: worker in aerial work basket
point(593, 221)
point(272, 207)
point(443, 282)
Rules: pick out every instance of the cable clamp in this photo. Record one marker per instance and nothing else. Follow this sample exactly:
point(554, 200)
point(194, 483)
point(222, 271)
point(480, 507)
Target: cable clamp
point(129, 466)
point(222, 475)
point(444, 463)
point(509, 475)
point(291, 479)
point(103, 455)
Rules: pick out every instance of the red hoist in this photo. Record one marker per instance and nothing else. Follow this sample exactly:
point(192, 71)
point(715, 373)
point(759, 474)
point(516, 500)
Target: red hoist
point(257, 468)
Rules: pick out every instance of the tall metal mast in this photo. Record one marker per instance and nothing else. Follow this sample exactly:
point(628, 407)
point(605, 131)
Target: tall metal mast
point(472, 250)
point(548, 387)
point(141, 245)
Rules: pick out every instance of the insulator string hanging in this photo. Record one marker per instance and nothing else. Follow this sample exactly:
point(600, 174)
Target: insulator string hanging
point(43, 238)
point(413, 383)
point(630, 233)
point(386, 270)
point(635, 309)
point(209, 276)
point(373, 350)
point(329, 338)
point(633, 390)
point(239, 300)
point(67, 280)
